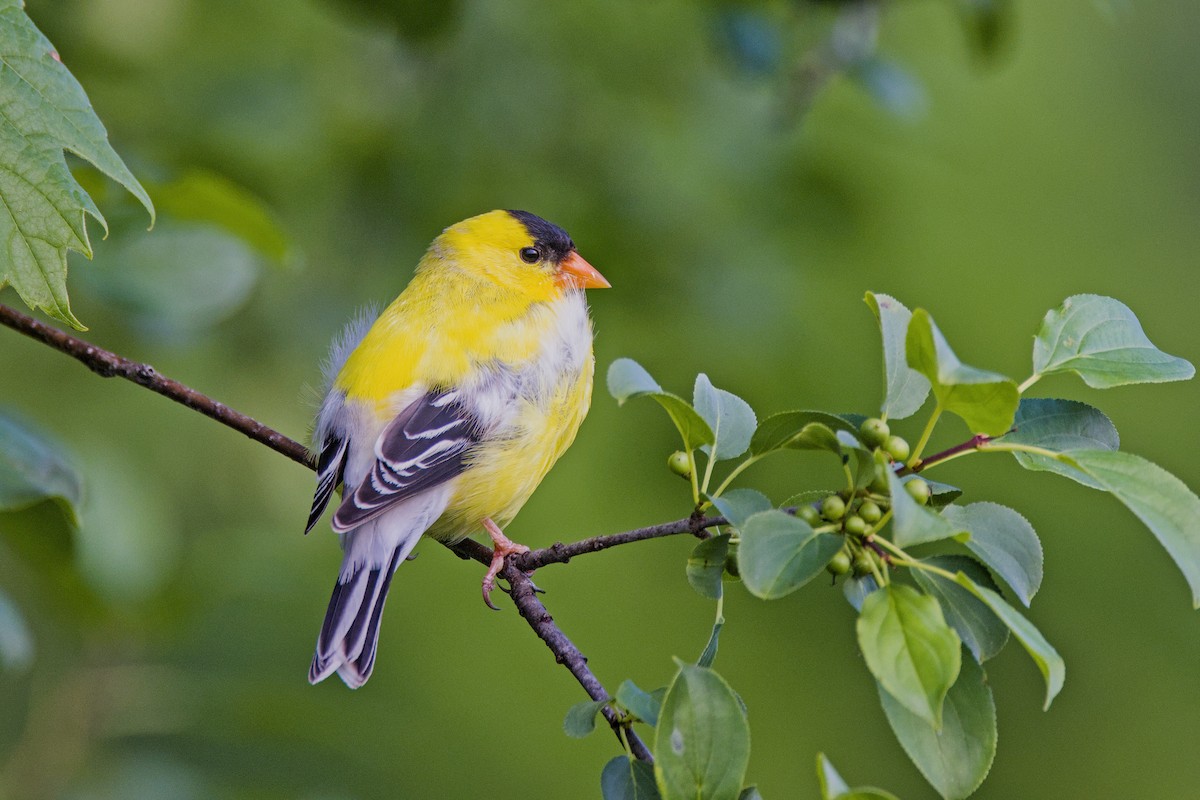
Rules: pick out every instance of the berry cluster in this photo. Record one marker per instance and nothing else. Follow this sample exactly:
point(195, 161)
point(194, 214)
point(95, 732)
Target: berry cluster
point(858, 514)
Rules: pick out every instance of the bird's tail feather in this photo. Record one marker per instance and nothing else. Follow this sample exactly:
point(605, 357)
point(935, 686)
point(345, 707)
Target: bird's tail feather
point(350, 632)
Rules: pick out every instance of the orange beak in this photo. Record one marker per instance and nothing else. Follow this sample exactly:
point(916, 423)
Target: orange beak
point(573, 270)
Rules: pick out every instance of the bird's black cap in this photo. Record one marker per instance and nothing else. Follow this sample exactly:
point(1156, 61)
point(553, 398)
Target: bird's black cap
point(547, 236)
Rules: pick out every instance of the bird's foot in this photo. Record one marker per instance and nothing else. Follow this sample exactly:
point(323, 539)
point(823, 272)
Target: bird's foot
point(502, 548)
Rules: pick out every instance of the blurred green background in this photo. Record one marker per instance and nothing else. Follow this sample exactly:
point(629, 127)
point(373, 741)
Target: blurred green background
point(173, 630)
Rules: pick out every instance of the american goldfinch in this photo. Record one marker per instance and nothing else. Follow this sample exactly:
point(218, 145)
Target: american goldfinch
point(445, 412)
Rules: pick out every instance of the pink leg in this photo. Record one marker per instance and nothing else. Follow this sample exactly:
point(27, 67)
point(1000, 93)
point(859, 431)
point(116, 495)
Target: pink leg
point(502, 547)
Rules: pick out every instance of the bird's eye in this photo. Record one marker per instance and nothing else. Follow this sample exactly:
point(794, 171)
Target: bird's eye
point(531, 255)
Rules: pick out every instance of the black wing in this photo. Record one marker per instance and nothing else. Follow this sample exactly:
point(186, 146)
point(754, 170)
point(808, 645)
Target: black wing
point(330, 466)
point(424, 446)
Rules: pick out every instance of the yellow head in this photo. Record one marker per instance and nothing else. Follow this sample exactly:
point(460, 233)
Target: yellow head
point(516, 250)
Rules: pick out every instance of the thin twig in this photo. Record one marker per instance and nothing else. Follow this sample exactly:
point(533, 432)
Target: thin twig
point(531, 609)
point(108, 365)
point(559, 553)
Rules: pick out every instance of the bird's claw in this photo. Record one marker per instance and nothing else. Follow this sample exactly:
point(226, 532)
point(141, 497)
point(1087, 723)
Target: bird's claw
point(502, 548)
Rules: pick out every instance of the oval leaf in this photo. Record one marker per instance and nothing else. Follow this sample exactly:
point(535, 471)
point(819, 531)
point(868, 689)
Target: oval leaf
point(1101, 340)
point(33, 468)
point(702, 742)
point(706, 565)
point(857, 589)
point(730, 417)
point(834, 788)
point(955, 759)
point(628, 779)
point(905, 389)
point(627, 379)
point(581, 718)
point(738, 505)
point(1005, 541)
point(1048, 661)
point(909, 648)
point(986, 401)
point(642, 704)
point(1160, 500)
point(914, 523)
point(709, 654)
point(786, 430)
point(780, 553)
point(832, 784)
point(1061, 425)
point(980, 629)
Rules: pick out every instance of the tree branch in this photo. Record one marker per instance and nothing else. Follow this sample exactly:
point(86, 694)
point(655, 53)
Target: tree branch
point(108, 364)
point(522, 590)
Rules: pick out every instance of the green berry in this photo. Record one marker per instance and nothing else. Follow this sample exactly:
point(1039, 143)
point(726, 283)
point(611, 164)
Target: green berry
point(918, 490)
point(874, 432)
point(809, 515)
point(839, 564)
point(833, 508)
point(870, 512)
point(680, 464)
point(865, 563)
point(879, 484)
point(855, 524)
point(897, 448)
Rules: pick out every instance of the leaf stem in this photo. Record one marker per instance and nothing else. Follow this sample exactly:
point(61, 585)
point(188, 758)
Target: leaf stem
point(915, 461)
point(735, 472)
point(708, 470)
point(975, 443)
point(1012, 447)
point(1030, 381)
point(692, 477)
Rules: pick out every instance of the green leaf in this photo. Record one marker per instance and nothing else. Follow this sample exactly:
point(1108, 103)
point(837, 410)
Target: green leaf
point(642, 704)
point(627, 379)
point(624, 778)
point(33, 468)
point(1160, 500)
point(709, 654)
point(16, 643)
point(738, 505)
point(956, 758)
point(942, 493)
point(980, 629)
point(780, 553)
point(986, 401)
point(798, 430)
point(1005, 541)
point(702, 742)
point(1060, 425)
point(581, 718)
point(750, 793)
point(1101, 340)
point(857, 589)
point(730, 417)
point(202, 196)
point(834, 788)
point(185, 277)
point(46, 112)
point(909, 648)
point(905, 389)
point(913, 523)
point(706, 565)
point(1048, 661)
point(832, 784)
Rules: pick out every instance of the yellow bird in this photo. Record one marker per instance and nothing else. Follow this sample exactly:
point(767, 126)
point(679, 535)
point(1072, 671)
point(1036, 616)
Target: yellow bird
point(445, 412)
